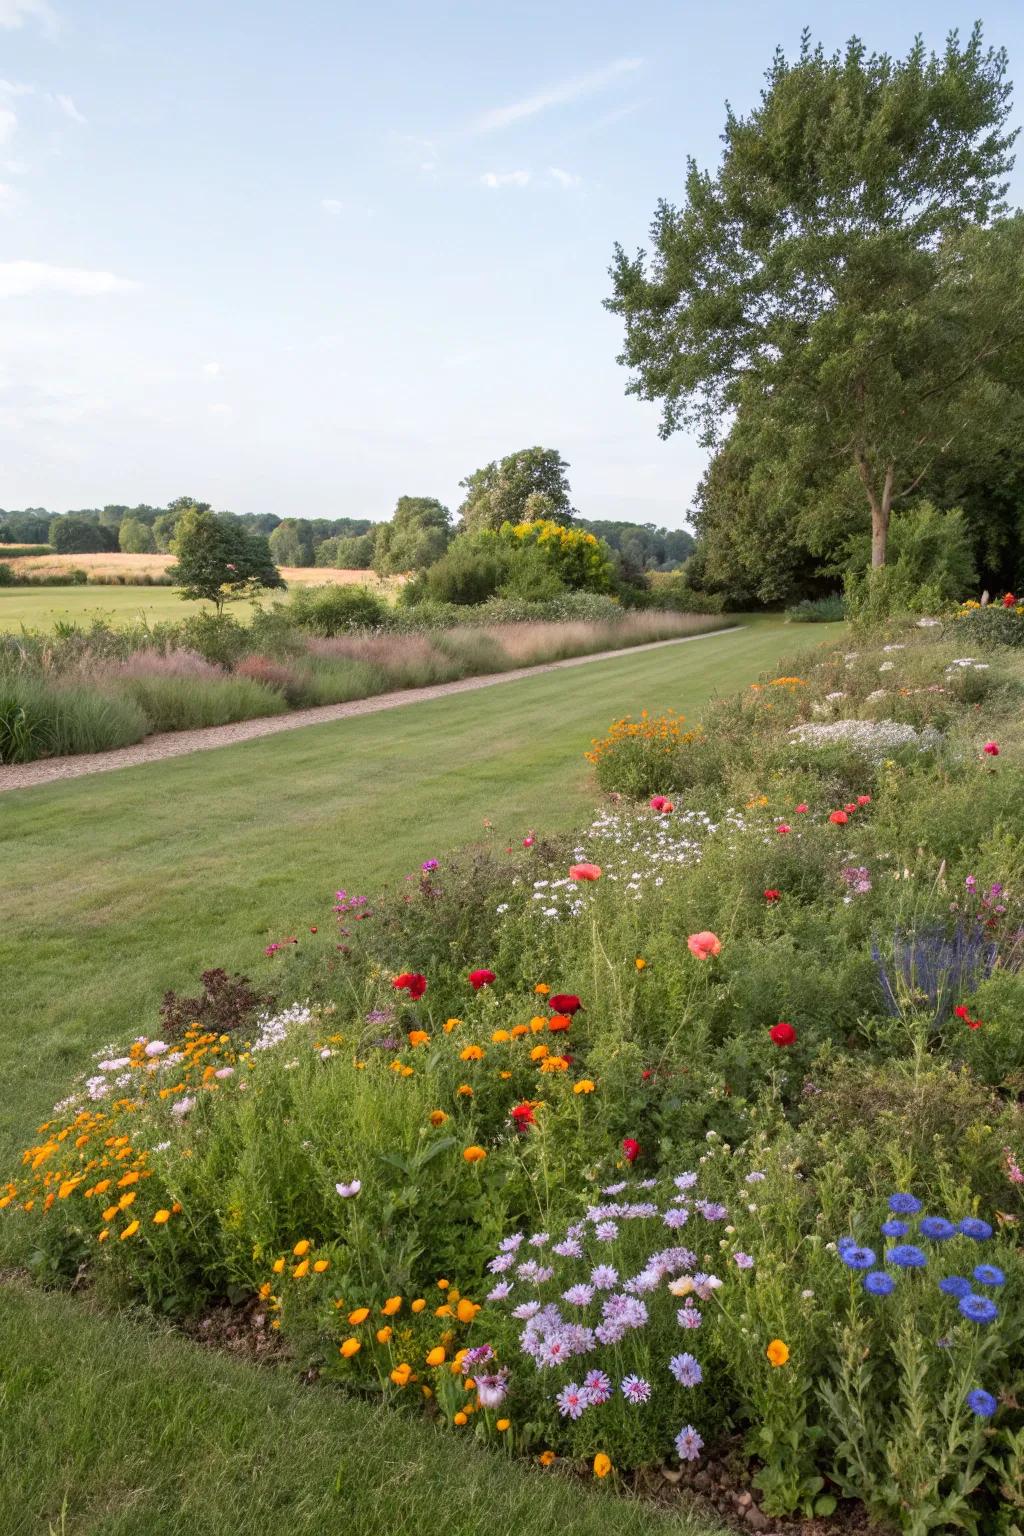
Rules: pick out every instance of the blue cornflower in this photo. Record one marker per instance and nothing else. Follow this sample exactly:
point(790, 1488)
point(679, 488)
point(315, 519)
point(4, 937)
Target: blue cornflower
point(878, 1283)
point(955, 1285)
point(981, 1403)
point(937, 1228)
point(973, 1226)
point(857, 1258)
point(895, 1228)
point(904, 1205)
point(988, 1274)
point(978, 1308)
point(686, 1370)
point(906, 1256)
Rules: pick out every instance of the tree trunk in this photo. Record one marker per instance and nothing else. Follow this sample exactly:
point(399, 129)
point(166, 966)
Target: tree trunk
point(880, 510)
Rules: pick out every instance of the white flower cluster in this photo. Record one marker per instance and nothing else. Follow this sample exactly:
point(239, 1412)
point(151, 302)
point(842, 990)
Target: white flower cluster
point(966, 664)
point(274, 1030)
point(878, 738)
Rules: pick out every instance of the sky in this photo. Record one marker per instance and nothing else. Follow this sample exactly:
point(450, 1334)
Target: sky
point(306, 257)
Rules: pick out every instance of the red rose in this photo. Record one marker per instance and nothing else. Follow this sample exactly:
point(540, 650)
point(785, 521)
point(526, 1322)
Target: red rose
point(411, 982)
point(478, 979)
point(565, 1002)
point(523, 1116)
point(782, 1034)
point(630, 1149)
point(838, 818)
point(772, 896)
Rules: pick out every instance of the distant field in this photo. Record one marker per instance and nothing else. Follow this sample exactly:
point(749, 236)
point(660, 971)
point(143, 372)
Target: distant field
point(42, 607)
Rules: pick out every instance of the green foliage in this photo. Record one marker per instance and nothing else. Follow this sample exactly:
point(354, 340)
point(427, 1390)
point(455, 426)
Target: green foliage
point(522, 487)
point(815, 282)
point(988, 628)
point(189, 703)
point(579, 560)
point(818, 610)
point(75, 536)
point(37, 720)
point(336, 610)
point(416, 537)
point(291, 542)
point(135, 537)
point(219, 562)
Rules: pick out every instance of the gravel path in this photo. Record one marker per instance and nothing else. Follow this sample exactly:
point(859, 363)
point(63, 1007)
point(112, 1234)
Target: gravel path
point(179, 743)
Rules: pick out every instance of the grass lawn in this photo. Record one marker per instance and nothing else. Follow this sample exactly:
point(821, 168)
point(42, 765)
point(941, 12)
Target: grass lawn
point(122, 884)
point(42, 607)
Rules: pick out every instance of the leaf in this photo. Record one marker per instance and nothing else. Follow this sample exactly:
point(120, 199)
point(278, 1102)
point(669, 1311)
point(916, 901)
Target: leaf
point(825, 1504)
point(444, 1145)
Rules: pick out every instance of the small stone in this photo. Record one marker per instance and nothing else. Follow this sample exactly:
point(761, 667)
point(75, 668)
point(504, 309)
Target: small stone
point(745, 1499)
point(755, 1519)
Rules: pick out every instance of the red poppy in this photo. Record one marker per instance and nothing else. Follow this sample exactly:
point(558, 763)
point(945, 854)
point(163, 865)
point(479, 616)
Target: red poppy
point(851, 807)
point(478, 979)
point(411, 982)
point(584, 871)
point(863, 799)
point(772, 896)
point(630, 1149)
point(523, 1116)
point(838, 818)
point(782, 1034)
point(782, 828)
point(991, 749)
point(801, 809)
point(313, 930)
point(657, 802)
point(529, 840)
point(1008, 600)
point(559, 1022)
point(565, 1002)
point(646, 1074)
point(962, 1012)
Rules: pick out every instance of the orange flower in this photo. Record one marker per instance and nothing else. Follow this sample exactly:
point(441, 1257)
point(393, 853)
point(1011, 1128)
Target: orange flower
point(384, 1335)
point(418, 1037)
point(437, 1117)
point(542, 989)
point(301, 1270)
point(130, 1230)
point(777, 1352)
point(502, 1425)
point(460, 1418)
point(704, 944)
point(538, 1053)
point(602, 1465)
point(519, 1030)
point(559, 1022)
point(401, 1374)
point(391, 1306)
point(436, 1356)
point(418, 1304)
point(471, 1053)
point(583, 1086)
point(467, 1310)
point(474, 1154)
point(584, 872)
point(640, 963)
point(161, 1216)
point(500, 1036)
point(350, 1347)
point(465, 1091)
point(450, 1024)
point(278, 1266)
point(302, 1248)
point(554, 1064)
point(358, 1316)
point(321, 1266)
point(546, 1458)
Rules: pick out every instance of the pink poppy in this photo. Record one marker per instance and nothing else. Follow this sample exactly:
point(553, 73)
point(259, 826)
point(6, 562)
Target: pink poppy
point(863, 799)
point(704, 945)
point(585, 872)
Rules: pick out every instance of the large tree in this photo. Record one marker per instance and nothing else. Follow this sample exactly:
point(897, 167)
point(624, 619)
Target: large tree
point(520, 488)
point(839, 276)
point(218, 561)
point(415, 538)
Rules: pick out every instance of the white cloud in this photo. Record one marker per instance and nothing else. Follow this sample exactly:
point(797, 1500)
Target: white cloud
point(556, 95)
point(211, 369)
point(67, 106)
point(331, 205)
point(8, 197)
point(16, 88)
point(222, 412)
point(8, 123)
point(14, 13)
point(564, 178)
point(505, 178)
point(18, 278)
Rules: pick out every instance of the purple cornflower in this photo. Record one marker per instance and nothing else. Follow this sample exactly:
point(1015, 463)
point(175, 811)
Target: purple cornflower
point(878, 1283)
point(955, 1285)
point(685, 1180)
point(981, 1403)
point(676, 1217)
point(635, 1389)
point(615, 1189)
point(688, 1443)
point(904, 1205)
point(711, 1210)
point(510, 1244)
point(499, 1291)
point(578, 1295)
point(598, 1387)
point(572, 1400)
point(937, 1228)
point(686, 1370)
point(606, 1231)
point(526, 1310)
point(688, 1317)
point(973, 1226)
point(743, 1261)
point(491, 1389)
point(568, 1248)
point(603, 1277)
point(498, 1265)
point(754, 1178)
point(894, 1228)
point(538, 1239)
point(855, 1257)
point(478, 1355)
point(905, 1255)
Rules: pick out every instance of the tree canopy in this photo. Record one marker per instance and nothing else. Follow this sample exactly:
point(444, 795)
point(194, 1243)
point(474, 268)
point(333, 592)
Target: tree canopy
point(845, 278)
point(416, 536)
point(520, 488)
point(220, 562)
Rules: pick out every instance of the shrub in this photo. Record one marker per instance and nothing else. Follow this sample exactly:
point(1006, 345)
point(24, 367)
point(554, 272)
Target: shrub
point(189, 703)
point(7, 576)
point(818, 610)
point(41, 721)
point(218, 637)
point(996, 624)
point(336, 610)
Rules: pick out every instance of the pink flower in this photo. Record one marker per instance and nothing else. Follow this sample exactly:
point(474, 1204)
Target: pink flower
point(801, 809)
point(838, 818)
point(783, 828)
point(630, 1149)
point(704, 945)
point(863, 799)
point(529, 840)
point(991, 749)
point(584, 872)
point(478, 979)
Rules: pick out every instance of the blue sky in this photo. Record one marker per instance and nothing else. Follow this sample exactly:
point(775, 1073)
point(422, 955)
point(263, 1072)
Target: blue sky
point(307, 257)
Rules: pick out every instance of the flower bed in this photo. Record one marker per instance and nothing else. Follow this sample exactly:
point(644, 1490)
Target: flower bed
point(696, 1134)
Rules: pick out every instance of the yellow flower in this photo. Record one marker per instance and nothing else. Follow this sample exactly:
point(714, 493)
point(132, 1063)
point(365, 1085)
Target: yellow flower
point(554, 1064)
point(777, 1352)
point(436, 1356)
point(418, 1304)
point(443, 1311)
point(130, 1230)
point(519, 1030)
point(460, 1418)
point(443, 1285)
point(602, 1466)
point(546, 1458)
point(466, 1310)
point(640, 963)
point(104, 1235)
point(474, 1154)
point(471, 1053)
point(537, 1024)
point(539, 1052)
point(384, 1335)
point(301, 1270)
point(302, 1248)
point(101, 1187)
point(126, 1199)
point(502, 1425)
point(391, 1306)
point(350, 1347)
point(358, 1316)
point(278, 1266)
point(161, 1216)
point(500, 1036)
point(110, 1213)
point(437, 1117)
point(583, 1086)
